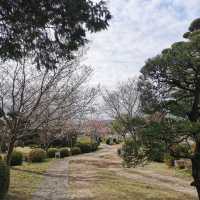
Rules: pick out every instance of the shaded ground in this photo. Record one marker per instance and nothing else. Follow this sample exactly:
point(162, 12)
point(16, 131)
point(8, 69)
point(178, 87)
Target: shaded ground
point(99, 175)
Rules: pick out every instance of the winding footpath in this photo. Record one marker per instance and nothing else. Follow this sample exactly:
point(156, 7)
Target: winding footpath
point(55, 184)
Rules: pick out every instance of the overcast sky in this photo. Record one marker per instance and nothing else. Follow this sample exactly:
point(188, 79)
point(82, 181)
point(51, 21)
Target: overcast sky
point(139, 29)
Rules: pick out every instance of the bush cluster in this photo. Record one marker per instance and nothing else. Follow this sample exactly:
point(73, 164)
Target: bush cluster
point(133, 153)
point(16, 158)
point(51, 152)
point(87, 147)
point(182, 150)
point(64, 152)
point(157, 152)
point(37, 155)
point(75, 151)
point(4, 179)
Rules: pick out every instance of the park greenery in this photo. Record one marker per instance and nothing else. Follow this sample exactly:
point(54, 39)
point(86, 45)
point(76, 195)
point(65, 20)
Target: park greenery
point(45, 96)
point(166, 125)
point(51, 29)
point(42, 84)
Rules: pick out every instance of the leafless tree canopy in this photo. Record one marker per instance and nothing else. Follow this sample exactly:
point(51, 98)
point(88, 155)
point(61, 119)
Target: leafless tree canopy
point(31, 99)
point(122, 105)
point(124, 100)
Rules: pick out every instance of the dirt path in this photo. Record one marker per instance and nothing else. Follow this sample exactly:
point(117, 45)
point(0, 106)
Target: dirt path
point(107, 157)
point(54, 186)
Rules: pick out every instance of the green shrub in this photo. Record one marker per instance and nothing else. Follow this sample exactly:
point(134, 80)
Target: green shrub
point(4, 179)
point(182, 150)
point(51, 152)
point(16, 158)
point(75, 151)
point(157, 152)
point(169, 160)
point(64, 152)
point(133, 153)
point(94, 146)
point(37, 155)
point(85, 147)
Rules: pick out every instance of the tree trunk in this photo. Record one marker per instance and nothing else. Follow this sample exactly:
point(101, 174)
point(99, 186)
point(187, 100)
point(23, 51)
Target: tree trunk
point(196, 172)
point(10, 150)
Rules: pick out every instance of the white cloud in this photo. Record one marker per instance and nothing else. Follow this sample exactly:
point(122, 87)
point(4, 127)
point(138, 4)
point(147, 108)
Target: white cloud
point(139, 29)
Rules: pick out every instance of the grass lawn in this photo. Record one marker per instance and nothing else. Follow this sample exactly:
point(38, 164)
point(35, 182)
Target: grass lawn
point(118, 187)
point(163, 169)
point(25, 179)
point(94, 180)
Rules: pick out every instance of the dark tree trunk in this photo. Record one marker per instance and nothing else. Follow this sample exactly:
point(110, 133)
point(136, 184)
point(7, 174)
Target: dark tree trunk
point(196, 169)
point(10, 150)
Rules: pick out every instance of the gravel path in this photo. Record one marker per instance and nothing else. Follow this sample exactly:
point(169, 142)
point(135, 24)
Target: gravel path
point(55, 184)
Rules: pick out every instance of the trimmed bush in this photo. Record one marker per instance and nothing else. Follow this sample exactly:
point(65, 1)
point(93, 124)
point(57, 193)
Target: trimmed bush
point(4, 179)
point(94, 146)
point(75, 151)
point(85, 147)
point(16, 158)
point(37, 155)
point(169, 160)
point(64, 152)
point(51, 152)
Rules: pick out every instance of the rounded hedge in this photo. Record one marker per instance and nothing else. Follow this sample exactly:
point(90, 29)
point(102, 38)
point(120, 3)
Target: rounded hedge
point(51, 152)
point(37, 155)
point(75, 151)
point(94, 146)
point(16, 158)
point(64, 152)
point(4, 179)
point(85, 147)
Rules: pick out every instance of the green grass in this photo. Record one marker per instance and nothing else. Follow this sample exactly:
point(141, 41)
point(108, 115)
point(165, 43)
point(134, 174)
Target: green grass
point(25, 179)
point(93, 181)
point(117, 188)
point(162, 168)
